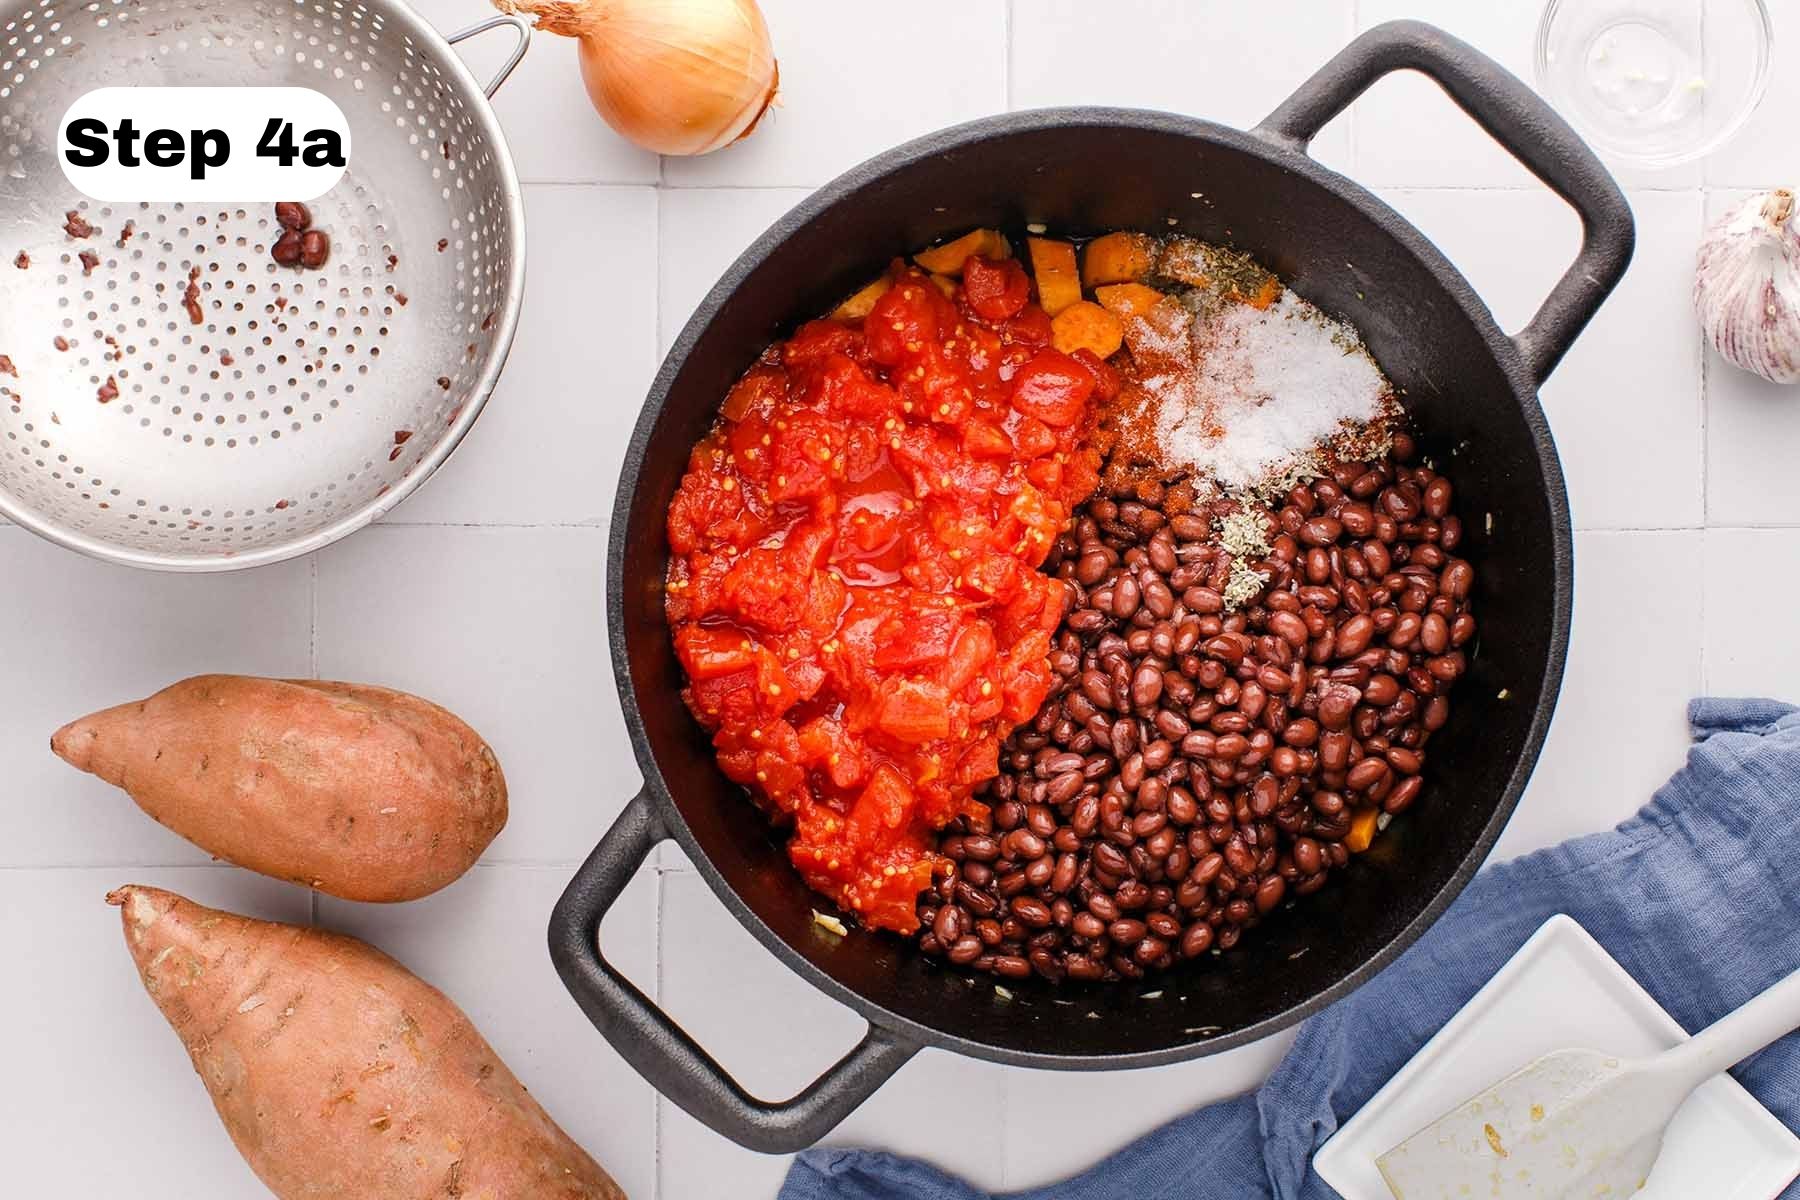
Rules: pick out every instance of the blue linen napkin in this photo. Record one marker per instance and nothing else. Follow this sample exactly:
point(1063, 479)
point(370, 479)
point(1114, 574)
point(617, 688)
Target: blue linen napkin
point(1697, 895)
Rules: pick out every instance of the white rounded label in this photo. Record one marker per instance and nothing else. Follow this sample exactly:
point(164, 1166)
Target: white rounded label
point(127, 144)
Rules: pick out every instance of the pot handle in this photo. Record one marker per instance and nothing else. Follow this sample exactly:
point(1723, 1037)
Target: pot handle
point(1517, 118)
point(660, 1050)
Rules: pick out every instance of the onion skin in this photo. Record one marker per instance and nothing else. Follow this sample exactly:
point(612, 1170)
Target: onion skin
point(679, 77)
point(1747, 287)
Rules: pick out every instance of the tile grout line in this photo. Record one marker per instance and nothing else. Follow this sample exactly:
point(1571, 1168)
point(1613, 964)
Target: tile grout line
point(1374, 185)
point(656, 932)
point(1001, 1104)
point(1705, 458)
point(312, 670)
point(656, 286)
point(312, 633)
point(656, 1098)
point(602, 529)
point(1006, 55)
point(517, 864)
point(621, 185)
point(211, 865)
point(1354, 113)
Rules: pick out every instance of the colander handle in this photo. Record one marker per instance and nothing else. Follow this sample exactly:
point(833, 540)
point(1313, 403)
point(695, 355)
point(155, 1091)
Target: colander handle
point(1517, 118)
point(660, 1050)
point(519, 24)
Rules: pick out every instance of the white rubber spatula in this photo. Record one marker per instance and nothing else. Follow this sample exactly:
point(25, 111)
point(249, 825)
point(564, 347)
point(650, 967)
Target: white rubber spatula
point(1577, 1123)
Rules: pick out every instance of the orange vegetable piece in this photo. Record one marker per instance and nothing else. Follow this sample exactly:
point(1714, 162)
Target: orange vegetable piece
point(948, 259)
point(1058, 278)
point(1362, 830)
point(945, 284)
point(1084, 325)
point(1267, 294)
point(1127, 300)
point(1118, 258)
point(857, 307)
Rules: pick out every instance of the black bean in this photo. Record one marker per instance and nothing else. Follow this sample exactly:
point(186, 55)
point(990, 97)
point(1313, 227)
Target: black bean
point(1191, 767)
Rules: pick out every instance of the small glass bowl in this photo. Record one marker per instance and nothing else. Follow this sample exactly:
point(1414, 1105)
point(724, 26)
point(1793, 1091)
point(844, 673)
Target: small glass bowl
point(1653, 83)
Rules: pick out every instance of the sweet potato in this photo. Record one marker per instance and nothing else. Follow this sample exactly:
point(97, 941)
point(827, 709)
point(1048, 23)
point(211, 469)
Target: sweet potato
point(1084, 325)
point(1362, 830)
point(944, 284)
point(948, 258)
point(1265, 295)
point(857, 307)
point(1184, 259)
point(1118, 258)
point(1127, 300)
point(1058, 278)
point(338, 1073)
point(362, 792)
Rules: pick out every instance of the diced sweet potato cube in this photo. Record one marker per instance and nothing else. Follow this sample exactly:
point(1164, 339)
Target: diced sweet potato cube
point(857, 307)
point(1127, 300)
point(1058, 278)
point(948, 258)
point(1084, 325)
point(1118, 258)
point(1362, 830)
point(1183, 259)
point(1267, 294)
point(944, 284)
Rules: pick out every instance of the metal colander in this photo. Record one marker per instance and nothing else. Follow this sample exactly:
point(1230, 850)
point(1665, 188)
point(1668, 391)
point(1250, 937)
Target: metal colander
point(305, 403)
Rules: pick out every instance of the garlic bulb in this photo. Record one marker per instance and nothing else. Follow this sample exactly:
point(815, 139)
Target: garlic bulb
point(1747, 287)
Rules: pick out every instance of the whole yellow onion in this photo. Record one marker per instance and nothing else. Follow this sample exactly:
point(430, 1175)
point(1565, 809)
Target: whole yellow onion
point(673, 76)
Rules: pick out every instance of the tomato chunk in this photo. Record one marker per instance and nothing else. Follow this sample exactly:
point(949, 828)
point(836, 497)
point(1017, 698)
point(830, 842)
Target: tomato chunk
point(852, 586)
point(996, 290)
point(1052, 387)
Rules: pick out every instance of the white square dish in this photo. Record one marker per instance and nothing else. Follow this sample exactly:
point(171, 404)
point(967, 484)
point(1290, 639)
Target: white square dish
point(1563, 989)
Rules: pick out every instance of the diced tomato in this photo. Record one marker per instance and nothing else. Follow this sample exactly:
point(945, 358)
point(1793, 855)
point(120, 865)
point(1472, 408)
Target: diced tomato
point(914, 711)
point(936, 388)
point(724, 700)
point(1033, 438)
point(816, 340)
point(973, 651)
point(758, 392)
point(711, 653)
point(1025, 691)
point(851, 588)
point(980, 764)
point(1046, 473)
point(1030, 328)
point(704, 512)
point(1106, 380)
point(862, 452)
point(996, 290)
point(995, 576)
point(828, 746)
point(837, 383)
point(1052, 387)
point(756, 591)
point(885, 804)
point(903, 321)
point(910, 640)
point(984, 439)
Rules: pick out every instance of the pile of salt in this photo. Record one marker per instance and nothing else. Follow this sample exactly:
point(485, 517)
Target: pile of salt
point(1255, 392)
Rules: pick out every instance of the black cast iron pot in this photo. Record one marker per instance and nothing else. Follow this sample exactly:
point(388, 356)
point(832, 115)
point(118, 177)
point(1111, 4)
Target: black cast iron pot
point(1471, 391)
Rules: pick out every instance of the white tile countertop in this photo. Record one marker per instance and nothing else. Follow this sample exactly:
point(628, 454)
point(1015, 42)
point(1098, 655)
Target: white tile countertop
point(485, 591)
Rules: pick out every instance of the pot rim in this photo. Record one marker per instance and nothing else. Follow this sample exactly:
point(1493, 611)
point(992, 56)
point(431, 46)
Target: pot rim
point(962, 137)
